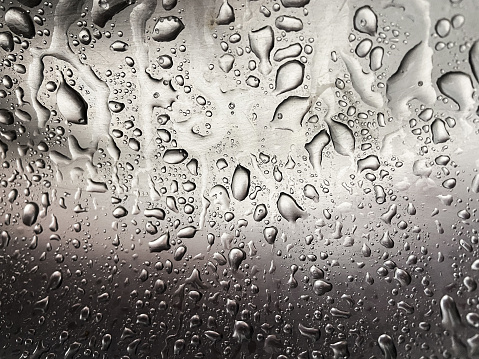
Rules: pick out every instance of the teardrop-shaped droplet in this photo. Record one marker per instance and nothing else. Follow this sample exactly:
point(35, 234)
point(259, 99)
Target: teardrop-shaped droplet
point(451, 318)
point(439, 131)
point(458, 86)
point(387, 346)
point(71, 104)
point(260, 212)
point(134, 144)
point(187, 232)
point(103, 10)
point(321, 287)
point(310, 192)
point(402, 276)
point(289, 208)
point(226, 14)
point(226, 62)
point(236, 257)
point(342, 137)
point(162, 243)
point(289, 23)
point(315, 149)
point(55, 280)
point(120, 212)
point(270, 234)
point(289, 76)
point(474, 59)
point(366, 21)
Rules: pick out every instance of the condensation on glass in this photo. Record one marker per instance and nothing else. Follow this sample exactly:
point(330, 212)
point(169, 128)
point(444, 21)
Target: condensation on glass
point(239, 179)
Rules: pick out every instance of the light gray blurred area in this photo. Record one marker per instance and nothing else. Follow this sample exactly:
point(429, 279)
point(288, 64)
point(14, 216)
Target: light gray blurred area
point(239, 179)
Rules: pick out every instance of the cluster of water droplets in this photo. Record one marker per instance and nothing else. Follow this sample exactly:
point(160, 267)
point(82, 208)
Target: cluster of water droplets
point(284, 179)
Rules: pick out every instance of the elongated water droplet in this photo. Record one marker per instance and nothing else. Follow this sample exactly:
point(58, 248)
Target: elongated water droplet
point(167, 29)
point(261, 43)
point(388, 348)
point(71, 104)
point(292, 50)
point(342, 138)
point(289, 208)
point(19, 22)
point(240, 183)
point(366, 21)
point(315, 149)
point(175, 156)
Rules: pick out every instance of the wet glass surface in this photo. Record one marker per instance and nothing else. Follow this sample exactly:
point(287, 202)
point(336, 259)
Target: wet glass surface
point(239, 179)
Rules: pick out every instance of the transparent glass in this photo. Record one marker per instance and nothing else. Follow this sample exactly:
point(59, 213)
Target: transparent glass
point(239, 179)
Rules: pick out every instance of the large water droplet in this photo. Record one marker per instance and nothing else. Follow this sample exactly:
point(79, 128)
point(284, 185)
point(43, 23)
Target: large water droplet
point(226, 14)
point(458, 86)
point(315, 149)
point(71, 104)
point(366, 21)
point(240, 183)
point(289, 23)
point(30, 213)
point(20, 22)
point(289, 208)
point(167, 29)
point(261, 43)
point(289, 76)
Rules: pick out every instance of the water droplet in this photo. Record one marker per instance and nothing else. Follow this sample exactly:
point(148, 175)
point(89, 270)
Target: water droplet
point(388, 348)
point(289, 23)
point(315, 149)
point(240, 183)
point(443, 27)
point(226, 14)
point(162, 243)
point(262, 42)
point(292, 50)
point(30, 213)
point(366, 21)
point(71, 104)
point(289, 76)
point(458, 86)
point(19, 22)
point(289, 208)
point(175, 156)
